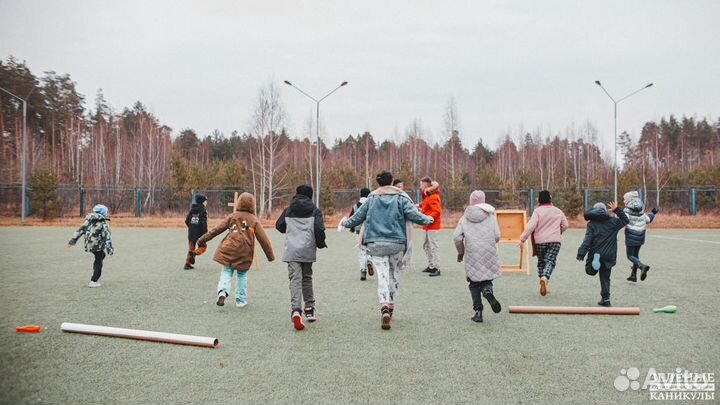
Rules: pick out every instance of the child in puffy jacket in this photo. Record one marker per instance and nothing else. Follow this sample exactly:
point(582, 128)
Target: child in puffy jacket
point(635, 233)
point(476, 237)
point(600, 244)
point(98, 240)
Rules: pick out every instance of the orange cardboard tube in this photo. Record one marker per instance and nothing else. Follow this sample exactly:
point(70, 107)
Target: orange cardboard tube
point(28, 329)
point(140, 334)
point(575, 310)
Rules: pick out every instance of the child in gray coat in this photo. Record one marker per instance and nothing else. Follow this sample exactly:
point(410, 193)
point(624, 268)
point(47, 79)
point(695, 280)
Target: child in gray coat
point(476, 237)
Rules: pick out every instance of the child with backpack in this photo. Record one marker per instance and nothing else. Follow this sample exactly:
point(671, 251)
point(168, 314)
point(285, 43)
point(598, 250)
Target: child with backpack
point(237, 249)
point(600, 244)
point(635, 233)
point(302, 224)
point(545, 229)
point(98, 240)
point(476, 237)
point(365, 265)
point(196, 222)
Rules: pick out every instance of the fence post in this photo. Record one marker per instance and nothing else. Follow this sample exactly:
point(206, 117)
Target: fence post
point(138, 202)
point(586, 197)
point(531, 202)
point(82, 201)
point(693, 202)
point(641, 192)
point(28, 201)
point(192, 197)
point(417, 194)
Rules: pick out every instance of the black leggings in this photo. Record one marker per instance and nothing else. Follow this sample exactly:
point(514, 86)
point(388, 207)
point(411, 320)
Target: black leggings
point(97, 265)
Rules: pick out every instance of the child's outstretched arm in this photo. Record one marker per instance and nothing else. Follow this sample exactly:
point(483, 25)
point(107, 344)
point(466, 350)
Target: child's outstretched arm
point(357, 218)
point(220, 228)
point(622, 218)
point(80, 231)
point(264, 242)
point(651, 216)
point(413, 215)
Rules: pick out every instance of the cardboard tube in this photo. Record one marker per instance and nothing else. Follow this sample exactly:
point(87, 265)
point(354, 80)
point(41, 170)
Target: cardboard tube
point(575, 310)
point(140, 334)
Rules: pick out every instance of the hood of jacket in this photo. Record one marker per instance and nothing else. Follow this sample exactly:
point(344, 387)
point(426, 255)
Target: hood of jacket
point(301, 206)
point(246, 203)
point(597, 214)
point(197, 209)
point(478, 213)
point(635, 205)
point(94, 216)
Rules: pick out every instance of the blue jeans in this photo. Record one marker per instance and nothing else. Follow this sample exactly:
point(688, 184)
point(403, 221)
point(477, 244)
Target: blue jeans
point(240, 288)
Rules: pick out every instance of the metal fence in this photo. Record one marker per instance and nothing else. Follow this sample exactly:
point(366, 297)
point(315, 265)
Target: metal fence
point(77, 201)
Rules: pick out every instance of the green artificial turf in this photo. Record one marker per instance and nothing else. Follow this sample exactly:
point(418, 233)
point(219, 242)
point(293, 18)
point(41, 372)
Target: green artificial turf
point(432, 354)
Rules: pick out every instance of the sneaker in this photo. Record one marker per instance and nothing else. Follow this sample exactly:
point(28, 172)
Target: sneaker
point(94, 284)
point(494, 304)
point(543, 286)
point(427, 270)
point(297, 319)
point(363, 276)
point(596, 262)
point(310, 314)
point(605, 303)
point(644, 272)
point(477, 317)
point(434, 273)
point(240, 304)
point(370, 269)
point(188, 267)
point(385, 320)
point(221, 299)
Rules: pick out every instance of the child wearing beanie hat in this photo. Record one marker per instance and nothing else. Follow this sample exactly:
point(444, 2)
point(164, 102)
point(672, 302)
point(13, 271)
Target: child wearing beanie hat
point(545, 230)
point(476, 237)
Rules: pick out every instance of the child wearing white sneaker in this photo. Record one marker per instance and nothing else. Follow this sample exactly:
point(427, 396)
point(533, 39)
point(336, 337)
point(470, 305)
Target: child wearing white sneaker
point(237, 249)
point(98, 240)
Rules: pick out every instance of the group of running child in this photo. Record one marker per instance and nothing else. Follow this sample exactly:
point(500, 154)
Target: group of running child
point(383, 220)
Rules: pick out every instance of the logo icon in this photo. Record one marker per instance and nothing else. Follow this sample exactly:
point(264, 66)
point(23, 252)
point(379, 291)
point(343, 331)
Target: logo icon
point(628, 379)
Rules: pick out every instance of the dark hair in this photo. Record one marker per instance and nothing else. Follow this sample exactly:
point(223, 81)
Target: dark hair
point(385, 178)
point(364, 192)
point(396, 181)
point(426, 179)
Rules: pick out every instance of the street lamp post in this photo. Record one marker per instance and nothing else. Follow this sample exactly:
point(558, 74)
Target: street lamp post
point(615, 104)
point(317, 133)
point(24, 158)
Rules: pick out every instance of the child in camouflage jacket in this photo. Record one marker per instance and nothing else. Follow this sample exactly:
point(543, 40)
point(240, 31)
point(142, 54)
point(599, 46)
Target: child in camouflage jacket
point(98, 239)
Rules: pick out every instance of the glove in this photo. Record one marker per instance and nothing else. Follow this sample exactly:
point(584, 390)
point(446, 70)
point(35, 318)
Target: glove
point(580, 257)
point(201, 250)
point(655, 210)
point(460, 257)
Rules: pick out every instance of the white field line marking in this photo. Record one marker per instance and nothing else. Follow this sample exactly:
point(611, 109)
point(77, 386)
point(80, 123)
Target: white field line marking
point(686, 239)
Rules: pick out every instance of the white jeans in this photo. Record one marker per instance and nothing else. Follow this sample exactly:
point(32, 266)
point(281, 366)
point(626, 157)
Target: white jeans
point(388, 275)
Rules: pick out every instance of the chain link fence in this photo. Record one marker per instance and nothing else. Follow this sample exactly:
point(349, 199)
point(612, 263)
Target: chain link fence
point(77, 201)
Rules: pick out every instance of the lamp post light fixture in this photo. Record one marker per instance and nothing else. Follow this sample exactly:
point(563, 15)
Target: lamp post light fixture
point(317, 133)
point(615, 104)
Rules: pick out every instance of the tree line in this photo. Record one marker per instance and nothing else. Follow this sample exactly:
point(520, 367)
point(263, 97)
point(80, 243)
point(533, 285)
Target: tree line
point(93, 144)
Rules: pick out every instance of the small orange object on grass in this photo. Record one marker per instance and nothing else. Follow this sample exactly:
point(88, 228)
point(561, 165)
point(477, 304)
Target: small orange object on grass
point(28, 329)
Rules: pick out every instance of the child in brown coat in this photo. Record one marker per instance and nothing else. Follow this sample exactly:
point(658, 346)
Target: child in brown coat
point(237, 249)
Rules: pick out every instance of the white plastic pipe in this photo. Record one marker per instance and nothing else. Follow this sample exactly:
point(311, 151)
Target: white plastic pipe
point(140, 334)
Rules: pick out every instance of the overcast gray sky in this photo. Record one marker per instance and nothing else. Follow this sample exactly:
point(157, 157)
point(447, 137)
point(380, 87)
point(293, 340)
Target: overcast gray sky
point(199, 64)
